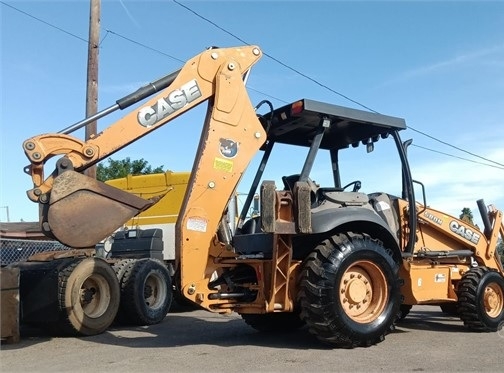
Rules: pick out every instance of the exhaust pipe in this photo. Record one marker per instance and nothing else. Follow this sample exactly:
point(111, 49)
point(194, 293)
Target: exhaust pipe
point(484, 216)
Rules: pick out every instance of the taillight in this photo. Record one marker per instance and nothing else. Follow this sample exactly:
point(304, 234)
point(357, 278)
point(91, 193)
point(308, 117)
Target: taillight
point(297, 107)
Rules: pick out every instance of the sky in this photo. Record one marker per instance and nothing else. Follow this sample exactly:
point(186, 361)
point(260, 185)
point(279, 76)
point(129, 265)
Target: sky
point(437, 64)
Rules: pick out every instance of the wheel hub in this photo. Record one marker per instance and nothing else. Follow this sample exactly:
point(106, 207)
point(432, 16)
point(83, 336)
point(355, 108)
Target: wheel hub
point(93, 299)
point(148, 292)
point(363, 291)
point(493, 300)
point(154, 291)
point(357, 290)
point(87, 295)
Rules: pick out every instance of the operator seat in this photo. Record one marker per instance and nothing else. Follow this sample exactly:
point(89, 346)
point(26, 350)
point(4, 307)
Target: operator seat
point(252, 225)
point(291, 180)
point(385, 206)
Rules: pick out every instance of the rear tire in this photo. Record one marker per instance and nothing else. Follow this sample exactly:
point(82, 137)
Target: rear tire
point(274, 322)
point(404, 311)
point(481, 300)
point(120, 268)
point(88, 297)
point(350, 291)
point(146, 292)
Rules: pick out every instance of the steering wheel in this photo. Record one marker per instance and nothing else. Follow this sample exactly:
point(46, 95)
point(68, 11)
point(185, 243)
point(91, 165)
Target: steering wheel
point(357, 185)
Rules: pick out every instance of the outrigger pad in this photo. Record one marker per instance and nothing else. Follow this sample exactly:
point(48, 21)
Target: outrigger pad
point(83, 211)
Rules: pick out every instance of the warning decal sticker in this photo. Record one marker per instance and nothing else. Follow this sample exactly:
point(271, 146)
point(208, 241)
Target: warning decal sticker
point(223, 165)
point(197, 224)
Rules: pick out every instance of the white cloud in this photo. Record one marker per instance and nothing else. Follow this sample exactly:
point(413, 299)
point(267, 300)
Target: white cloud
point(121, 88)
point(457, 60)
point(452, 185)
point(132, 19)
point(480, 55)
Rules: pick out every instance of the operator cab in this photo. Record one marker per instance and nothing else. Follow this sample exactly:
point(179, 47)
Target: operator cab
point(321, 126)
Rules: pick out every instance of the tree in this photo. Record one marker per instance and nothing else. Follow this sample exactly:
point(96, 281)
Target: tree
point(121, 168)
point(500, 250)
point(467, 216)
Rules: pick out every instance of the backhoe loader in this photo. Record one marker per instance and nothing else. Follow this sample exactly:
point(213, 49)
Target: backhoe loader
point(343, 262)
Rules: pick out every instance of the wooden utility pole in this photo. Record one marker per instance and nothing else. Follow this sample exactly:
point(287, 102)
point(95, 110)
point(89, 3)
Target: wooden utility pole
point(92, 73)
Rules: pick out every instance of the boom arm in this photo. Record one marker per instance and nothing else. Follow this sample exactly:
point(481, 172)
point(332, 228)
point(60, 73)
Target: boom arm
point(80, 211)
point(194, 83)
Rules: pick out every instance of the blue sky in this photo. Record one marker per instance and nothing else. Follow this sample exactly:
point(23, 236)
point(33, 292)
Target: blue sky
point(438, 64)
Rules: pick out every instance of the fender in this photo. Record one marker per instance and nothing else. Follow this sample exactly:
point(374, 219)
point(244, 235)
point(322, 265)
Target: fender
point(365, 220)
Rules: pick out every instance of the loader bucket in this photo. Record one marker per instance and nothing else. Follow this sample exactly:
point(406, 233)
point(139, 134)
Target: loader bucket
point(83, 211)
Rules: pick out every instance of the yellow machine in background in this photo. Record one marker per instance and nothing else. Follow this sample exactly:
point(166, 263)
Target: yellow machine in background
point(170, 188)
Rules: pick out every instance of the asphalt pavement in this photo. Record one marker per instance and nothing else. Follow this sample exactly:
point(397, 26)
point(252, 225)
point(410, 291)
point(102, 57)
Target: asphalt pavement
point(200, 341)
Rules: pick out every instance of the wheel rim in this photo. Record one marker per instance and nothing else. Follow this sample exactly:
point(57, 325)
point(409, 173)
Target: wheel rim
point(493, 300)
point(363, 291)
point(154, 291)
point(94, 298)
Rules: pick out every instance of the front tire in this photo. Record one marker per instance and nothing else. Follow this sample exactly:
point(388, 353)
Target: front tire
point(88, 297)
point(350, 291)
point(481, 299)
point(404, 311)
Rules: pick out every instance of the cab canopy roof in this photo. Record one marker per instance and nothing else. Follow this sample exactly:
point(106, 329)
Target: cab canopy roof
point(299, 122)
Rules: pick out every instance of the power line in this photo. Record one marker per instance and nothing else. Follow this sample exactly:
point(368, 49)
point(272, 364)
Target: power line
point(263, 93)
point(454, 156)
point(144, 46)
point(453, 146)
point(267, 95)
point(44, 22)
point(211, 22)
point(325, 86)
point(270, 56)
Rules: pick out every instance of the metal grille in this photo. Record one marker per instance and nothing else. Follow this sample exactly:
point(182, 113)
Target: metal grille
point(20, 250)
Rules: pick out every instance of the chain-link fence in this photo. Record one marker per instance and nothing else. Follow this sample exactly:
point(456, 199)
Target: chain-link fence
point(20, 250)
